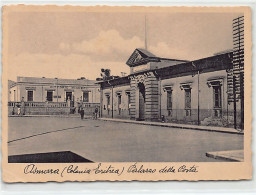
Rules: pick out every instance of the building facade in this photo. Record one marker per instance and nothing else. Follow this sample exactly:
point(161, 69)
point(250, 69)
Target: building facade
point(60, 94)
point(34, 89)
point(160, 89)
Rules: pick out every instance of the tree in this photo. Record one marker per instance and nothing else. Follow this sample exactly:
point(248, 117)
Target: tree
point(105, 75)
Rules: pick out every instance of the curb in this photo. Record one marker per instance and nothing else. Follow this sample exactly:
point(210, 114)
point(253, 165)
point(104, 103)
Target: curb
point(199, 128)
point(225, 155)
point(220, 157)
point(59, 116)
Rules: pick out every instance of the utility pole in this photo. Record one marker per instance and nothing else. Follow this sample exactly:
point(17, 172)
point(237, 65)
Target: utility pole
point(112, 102)
point(234, 94)
point(238, 62)
point(198, 100)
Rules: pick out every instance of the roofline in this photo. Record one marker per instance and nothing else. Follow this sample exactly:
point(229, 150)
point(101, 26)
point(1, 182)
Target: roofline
point(153, 58)
point(55, 78)
point(212, 56)
point(104, 81)
point(174, 59)
point(59, 84)
point(13, 85)
point(164, 67)
point(194, 61)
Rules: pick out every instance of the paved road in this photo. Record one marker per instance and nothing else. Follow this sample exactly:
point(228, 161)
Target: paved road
point(107, 141)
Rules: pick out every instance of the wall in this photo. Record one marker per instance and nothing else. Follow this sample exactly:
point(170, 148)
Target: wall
point(155, 88)
point(59, 105)
point(205, 98)
point(164, 63)
point(150, 82)
point(13, 96)
point(47, 108)
point(124, 107)
point(40, 92)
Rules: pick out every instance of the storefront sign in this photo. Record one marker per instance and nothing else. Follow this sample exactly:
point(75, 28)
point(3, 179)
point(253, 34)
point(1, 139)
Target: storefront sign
point(57, 96)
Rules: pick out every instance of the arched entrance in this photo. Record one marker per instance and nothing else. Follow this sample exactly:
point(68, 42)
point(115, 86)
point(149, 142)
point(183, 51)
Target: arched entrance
point(144, 97)
point(141, 87)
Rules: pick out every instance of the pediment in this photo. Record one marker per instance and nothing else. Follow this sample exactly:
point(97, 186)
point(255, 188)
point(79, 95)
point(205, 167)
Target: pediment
point(136, 59)
point(141, 56)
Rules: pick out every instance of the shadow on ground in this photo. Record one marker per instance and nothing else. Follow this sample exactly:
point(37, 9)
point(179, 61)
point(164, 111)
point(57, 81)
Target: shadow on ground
point(51, 157)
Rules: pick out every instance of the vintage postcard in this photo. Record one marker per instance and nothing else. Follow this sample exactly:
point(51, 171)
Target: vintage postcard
point(126, 93)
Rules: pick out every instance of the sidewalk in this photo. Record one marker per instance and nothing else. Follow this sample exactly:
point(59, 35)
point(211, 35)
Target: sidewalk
point(175, 125)
point(232, 155)
point(60, 116)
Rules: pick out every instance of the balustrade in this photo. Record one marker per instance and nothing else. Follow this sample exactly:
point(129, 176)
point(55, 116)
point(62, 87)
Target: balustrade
point(90, 105)
point(51, 104)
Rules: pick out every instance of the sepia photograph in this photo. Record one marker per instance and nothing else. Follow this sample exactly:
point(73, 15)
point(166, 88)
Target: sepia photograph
point(99, 85)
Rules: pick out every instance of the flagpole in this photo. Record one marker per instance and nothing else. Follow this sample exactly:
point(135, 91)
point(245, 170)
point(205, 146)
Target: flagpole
point(146, 47)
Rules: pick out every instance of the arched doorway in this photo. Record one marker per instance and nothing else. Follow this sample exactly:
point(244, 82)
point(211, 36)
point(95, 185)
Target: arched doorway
point(141, 87)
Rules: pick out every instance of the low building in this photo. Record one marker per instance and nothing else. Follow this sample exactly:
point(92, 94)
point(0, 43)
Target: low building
point(53, 92)
point(160, 89)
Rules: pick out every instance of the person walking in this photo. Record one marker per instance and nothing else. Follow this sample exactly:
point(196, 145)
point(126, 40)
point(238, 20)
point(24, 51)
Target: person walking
point(19, 110)
point(82, 113)
point(96, 113)
point(22, 106)
point(13, 109)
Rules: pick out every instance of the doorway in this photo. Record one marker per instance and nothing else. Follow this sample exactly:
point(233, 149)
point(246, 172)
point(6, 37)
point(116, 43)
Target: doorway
point(141, 87)
point(68, 96)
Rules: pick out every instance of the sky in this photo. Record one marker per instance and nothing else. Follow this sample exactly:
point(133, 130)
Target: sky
point(79, 44)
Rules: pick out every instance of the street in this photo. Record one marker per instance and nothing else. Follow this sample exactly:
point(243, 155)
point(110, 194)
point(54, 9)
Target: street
point(105, 141)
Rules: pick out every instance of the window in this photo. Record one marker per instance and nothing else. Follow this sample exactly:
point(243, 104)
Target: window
point(49, 96)
point(168, 90)
point(169, 102)
point(187, 90)
point(217, 96)
point(68, 95)
point(119, 104)
point(129, 102)
point(108, 103)
point(119, 100)
point(217, 100)
point(30, 96)
point(188, 102)
point(187, 98)
point(85, 96)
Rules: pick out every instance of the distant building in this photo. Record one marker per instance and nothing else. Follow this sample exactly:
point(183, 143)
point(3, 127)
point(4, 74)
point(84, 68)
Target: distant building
point(52, 95)
point(160, 89)
point(34, 89)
